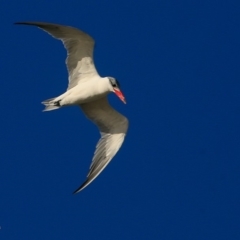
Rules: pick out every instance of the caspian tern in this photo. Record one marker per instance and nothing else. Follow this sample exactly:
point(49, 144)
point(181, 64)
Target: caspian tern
point(89, 91)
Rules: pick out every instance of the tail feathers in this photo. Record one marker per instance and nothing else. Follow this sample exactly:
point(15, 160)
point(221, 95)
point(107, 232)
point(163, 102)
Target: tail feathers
point(50, 104)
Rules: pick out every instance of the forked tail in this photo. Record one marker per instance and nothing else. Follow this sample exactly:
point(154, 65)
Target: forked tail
point(50, 104)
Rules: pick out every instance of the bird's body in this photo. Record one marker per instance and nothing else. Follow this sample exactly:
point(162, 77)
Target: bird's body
point(80, 93)
point(88, 90)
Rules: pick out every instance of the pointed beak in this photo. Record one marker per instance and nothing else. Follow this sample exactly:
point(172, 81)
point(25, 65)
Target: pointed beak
point(118, 92)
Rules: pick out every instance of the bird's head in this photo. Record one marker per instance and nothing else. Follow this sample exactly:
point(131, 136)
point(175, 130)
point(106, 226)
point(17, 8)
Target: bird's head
point(116, 88)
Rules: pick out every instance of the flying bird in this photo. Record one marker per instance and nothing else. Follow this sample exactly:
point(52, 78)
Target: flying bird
point(89, 91)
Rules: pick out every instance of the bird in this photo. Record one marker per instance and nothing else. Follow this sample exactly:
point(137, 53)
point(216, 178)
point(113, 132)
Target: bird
point(89, 91)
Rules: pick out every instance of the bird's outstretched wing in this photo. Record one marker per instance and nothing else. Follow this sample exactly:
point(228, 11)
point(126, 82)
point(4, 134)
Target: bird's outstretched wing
point(113, 127)
point(79, 46)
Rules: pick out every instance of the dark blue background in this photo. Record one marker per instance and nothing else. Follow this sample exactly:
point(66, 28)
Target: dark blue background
point(177, 175)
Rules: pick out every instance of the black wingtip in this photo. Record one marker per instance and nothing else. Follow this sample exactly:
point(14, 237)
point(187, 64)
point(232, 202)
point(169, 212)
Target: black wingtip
point(18, 23)
point(24, 23)
point(75, 192)
point(78, 190)
point(42, 25)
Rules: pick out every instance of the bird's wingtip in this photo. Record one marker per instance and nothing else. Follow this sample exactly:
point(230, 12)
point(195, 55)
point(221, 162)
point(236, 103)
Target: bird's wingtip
point(17, 23)
point(84, 185)
point(23, 23)
point(78, 190)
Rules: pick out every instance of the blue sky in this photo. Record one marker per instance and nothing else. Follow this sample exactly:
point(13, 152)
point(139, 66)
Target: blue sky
point(177, 175)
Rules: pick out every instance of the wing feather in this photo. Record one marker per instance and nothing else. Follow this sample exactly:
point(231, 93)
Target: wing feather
point(79, 46)
point(113, 127)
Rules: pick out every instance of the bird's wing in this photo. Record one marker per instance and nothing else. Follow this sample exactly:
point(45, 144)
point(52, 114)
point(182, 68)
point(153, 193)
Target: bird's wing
point(113, 127)
point(79, 46)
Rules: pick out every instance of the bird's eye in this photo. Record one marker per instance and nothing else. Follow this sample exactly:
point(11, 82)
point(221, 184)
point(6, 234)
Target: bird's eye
point(114, 82)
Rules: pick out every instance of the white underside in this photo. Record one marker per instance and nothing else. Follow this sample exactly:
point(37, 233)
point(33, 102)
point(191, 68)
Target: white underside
point(85, 92)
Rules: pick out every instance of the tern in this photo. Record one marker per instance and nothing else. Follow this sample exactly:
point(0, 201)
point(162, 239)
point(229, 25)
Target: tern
point(89, 91)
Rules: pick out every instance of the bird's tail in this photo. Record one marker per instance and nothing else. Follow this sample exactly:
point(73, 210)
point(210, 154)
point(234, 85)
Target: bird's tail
point(51, 104)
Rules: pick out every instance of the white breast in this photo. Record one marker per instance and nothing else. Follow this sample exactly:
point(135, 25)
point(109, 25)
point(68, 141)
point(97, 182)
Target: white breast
point(86, 92)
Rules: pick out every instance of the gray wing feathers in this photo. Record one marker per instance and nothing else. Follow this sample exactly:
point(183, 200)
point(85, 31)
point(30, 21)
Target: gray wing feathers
point(79, 46)
point(105, 117)
point(106, 148)
point(113, 127)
